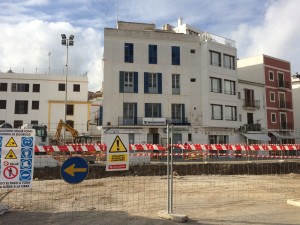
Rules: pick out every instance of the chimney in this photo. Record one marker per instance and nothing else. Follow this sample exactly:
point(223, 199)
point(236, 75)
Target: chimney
point(179, 22)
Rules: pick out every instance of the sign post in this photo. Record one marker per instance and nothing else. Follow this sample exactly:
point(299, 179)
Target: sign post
point(117, 152)
point(16, 158)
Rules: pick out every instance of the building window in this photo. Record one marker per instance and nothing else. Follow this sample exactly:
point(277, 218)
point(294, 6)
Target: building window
point(35, 105)
point(76, 87)
point(2, 122)
point(128, 82)
point(153, 110)
point(129, 113)
point(36, 88)
point(229, 62)
point(281, 82)
point(216, 112)
point(70, 123)
point(249, 97)
point(215, 85)
point(2, 104)
point(271, 75)
point(215, 58)
point(15, 87)
point(3, 86)
point(193, 79)
point(230, 113)
point(21, 107)
point(175, 84)
point(128, 50)
point(175, 55)
point(178, 113)
point(239, 95)
point(152, 54)
point(61, 87)
point(273, 117)
point(193, 51)
point(189, 137)
point(34, 122)
point(272, 96)
point(70, 110)
point(218, 139)
point(18, 123)
point(229, 87)
point(153, 83)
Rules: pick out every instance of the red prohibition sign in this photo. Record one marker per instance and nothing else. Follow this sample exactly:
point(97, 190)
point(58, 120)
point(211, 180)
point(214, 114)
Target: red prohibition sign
point(10, 172)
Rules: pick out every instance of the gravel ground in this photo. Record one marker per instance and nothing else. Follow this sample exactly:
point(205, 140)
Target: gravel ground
point(136, 200)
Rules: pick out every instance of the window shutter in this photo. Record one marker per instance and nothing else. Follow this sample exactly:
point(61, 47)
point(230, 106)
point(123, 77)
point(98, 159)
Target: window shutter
point(135, 113)
point(146, 83)
point(159, 110)
point(121, 82)
point(136, 82)
point(159, 75)
point(100, 120)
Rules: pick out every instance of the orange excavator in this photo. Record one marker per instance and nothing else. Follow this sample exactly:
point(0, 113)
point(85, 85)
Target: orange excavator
point(76, 137)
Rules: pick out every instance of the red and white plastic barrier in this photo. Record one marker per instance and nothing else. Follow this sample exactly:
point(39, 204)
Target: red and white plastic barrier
point(151, 147)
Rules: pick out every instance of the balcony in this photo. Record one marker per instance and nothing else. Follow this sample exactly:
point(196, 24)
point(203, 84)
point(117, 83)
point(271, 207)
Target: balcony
point(286, 126)
point(139, 121)
point(251, 104)
point(285, 105)
point(253, 127)
point(284, 84)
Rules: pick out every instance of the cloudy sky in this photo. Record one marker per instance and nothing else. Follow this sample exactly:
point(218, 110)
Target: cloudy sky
point(30, 30)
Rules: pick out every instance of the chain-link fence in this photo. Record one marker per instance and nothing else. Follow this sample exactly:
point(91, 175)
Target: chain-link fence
point(210, 186)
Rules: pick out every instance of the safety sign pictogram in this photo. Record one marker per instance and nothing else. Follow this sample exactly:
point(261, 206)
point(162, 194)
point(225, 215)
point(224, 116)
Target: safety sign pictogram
point(11, 155)
point(10, 172)
point(11, 143)
point(117, 146)
point(16, 158)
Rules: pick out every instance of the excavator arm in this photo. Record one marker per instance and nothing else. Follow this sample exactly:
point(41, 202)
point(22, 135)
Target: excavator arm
point(62, 124)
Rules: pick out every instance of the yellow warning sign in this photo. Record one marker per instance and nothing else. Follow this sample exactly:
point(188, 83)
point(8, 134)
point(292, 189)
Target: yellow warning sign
point(11, 155)
point(118, 158)
point(11, 143)
point(117, 146)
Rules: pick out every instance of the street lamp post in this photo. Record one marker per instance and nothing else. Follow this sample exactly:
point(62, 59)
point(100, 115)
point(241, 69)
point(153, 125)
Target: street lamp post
point(66, 42)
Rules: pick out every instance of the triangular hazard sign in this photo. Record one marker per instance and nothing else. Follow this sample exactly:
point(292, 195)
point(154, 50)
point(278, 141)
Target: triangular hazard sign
point(11, 143)
point(11, 155)
point(117, 146)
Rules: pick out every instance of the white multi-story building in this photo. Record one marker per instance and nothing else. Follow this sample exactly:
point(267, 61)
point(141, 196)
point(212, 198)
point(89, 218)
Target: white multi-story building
point(179, 76)
point(41, 99)
point(251, 92)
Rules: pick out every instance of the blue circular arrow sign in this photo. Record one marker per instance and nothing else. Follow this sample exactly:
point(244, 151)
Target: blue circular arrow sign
point(74, 170)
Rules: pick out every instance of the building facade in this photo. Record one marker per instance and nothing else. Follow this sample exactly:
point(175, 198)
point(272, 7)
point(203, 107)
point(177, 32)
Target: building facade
point(296, 100)
point(276, 75)
point(41, 99)
point(179, 76)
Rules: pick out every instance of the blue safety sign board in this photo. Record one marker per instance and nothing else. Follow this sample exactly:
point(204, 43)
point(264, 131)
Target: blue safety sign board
point(74, 170)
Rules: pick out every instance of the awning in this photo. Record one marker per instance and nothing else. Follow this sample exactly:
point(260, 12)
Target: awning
point(258, 137)
point(288, 135)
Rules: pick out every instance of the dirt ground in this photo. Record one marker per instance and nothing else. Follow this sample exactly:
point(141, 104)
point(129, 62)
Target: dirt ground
point(216, 199)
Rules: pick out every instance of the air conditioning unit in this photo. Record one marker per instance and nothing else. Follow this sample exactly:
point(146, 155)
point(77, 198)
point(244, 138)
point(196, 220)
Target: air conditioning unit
point(244, 128)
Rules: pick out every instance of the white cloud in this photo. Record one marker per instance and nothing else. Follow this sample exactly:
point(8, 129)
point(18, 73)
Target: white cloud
point(277, 35)
point(25, 46)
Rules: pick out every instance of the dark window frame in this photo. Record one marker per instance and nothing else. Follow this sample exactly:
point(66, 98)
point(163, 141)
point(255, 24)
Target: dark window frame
point(128, 52)
point(61, 87)
point(2, 104)
point(21, 107)
point(76, 87)
point(3, 87)
point(175, 55)
point(35, 105)
point(70, 110)
point(152, 54)
point(36, 88)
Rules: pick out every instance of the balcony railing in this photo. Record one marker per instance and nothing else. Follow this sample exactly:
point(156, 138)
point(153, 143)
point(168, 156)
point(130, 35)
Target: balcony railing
point(285, 104)
point(251, 104)
point(218, 39)
point(284, 84)
point(253, 127)
point(286, 126)
point(138, 121)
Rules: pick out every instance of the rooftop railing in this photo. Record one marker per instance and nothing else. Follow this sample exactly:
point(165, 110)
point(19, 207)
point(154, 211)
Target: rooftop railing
point(218, 39)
